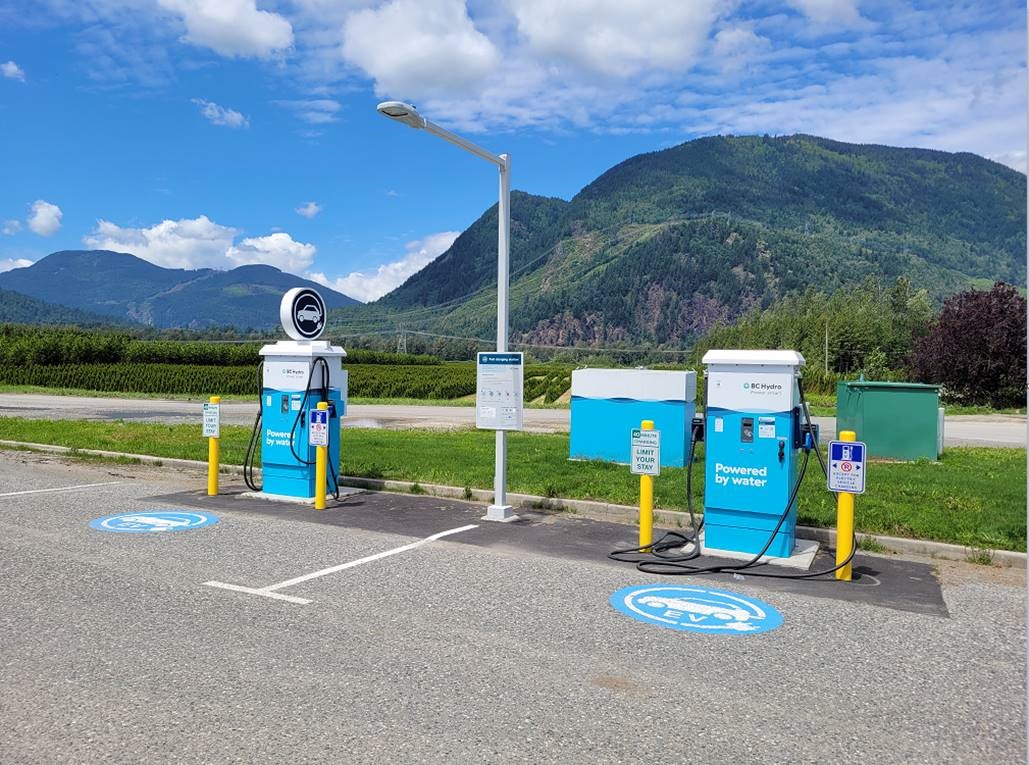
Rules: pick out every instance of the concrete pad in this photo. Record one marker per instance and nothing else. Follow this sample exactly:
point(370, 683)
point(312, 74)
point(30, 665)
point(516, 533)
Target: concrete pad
point(804, 552)
point(344, 491)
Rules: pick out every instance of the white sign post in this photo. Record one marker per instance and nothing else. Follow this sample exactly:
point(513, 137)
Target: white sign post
point(498, 391)
point(212, 421)
point(645, 452)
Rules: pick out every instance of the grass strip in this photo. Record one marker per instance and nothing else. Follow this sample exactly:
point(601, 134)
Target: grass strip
point(973, 496)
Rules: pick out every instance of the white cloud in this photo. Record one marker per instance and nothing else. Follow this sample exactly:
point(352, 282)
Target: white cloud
point(314, 111)
point(618, 38)
point(736, 46)
point(279, 250)
point(220, 115)
point(309, 210)
point(45, 218)
point(201, 243)
point(10, 227)
point(836, 12)
point(412, 47)
point(12, 71)
point(374, 283)
point(196, 243)
point(234, 28)
point(8, 264)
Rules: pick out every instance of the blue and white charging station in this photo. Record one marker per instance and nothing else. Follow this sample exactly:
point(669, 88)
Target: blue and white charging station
point(296, 375)
point(608, 403)
point(753, 436)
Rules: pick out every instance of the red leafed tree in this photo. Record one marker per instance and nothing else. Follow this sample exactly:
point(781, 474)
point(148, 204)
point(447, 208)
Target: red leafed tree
point(976, 348)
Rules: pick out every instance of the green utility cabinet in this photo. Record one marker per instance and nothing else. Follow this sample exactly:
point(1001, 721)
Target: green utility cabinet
point(897, 420)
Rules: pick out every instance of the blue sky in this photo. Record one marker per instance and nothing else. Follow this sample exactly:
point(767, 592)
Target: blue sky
point(213, 133)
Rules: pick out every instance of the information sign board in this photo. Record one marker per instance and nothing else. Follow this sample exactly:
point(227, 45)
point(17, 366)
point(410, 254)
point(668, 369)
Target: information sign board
point(318, 428)
point(212, 420)
point(498, 391)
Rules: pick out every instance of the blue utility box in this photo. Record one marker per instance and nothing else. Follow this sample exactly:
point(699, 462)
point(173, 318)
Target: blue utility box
point(608, 403)
point(292, 382)
point(753, 436)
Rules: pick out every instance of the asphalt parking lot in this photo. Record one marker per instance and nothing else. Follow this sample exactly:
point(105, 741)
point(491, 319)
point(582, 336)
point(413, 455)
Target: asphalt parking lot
point(492, 644)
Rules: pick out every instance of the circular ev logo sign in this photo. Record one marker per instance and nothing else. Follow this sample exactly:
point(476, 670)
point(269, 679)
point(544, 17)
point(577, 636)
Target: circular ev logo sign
point(302, 312)
point(154, 521)
point(696, 609)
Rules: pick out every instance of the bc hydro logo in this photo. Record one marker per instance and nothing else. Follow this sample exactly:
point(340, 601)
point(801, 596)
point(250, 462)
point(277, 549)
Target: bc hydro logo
point(154, 521)
point(696, 609)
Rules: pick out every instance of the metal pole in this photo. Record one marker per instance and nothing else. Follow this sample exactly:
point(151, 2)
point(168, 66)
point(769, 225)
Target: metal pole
point(844, 523)
point(500, 510)
point(646, 501)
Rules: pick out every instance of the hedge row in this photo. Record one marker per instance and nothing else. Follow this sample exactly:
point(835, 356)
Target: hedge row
point(441, 381)
point(53, 347)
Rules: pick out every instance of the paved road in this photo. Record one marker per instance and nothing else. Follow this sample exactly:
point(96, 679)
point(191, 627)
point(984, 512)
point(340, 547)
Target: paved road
point(960, 430)
point(490, 650)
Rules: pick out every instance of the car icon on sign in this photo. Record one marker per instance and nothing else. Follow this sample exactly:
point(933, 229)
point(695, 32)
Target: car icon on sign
point(309, 313)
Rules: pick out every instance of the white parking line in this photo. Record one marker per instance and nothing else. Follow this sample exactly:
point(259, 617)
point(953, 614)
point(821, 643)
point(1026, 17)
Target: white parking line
point(59, 488)
point(270, 590)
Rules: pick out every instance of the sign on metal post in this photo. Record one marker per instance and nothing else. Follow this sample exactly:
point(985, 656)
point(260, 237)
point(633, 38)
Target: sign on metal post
point(847, 466)
point(212, 421)
point(318, 428)
point(645, 452)
point(498, 391)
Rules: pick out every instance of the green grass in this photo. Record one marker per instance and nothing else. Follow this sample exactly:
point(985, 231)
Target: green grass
point(973, 496)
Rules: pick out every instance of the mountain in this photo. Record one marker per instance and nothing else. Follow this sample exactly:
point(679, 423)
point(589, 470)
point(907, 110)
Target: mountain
point(125, 287)
point(16, 308)
point(665, 245)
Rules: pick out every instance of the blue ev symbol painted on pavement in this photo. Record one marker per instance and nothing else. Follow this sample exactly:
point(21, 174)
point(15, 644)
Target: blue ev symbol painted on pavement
point(696, 609)
point(154, 521)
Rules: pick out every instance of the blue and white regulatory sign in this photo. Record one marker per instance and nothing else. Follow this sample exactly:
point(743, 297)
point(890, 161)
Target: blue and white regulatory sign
point(152, 521)
point(847, 466)
point(696, 609)
point(318, 428)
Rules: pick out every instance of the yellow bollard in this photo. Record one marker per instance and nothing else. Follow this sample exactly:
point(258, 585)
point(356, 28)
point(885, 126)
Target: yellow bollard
point(845, 523)
point(320, 468)
point(646, 501)
point(213, 457)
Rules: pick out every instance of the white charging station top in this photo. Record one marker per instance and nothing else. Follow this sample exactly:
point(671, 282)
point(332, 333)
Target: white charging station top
point(754, 358)
point(635, 384)
point(306, 349)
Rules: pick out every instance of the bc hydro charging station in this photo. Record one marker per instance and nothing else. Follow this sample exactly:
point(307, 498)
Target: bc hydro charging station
point(295, 376)
point(758, 439)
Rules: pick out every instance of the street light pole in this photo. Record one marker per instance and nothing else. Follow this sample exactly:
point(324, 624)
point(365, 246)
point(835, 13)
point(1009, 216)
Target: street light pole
point(407, 114)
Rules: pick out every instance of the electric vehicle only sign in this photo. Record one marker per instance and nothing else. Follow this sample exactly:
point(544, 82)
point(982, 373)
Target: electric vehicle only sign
point(318, 429)
point(645, 452)
point(847, 466)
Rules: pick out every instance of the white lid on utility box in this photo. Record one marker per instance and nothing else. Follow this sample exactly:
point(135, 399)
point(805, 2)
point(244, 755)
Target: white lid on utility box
point(635, 384)
point(754, 358)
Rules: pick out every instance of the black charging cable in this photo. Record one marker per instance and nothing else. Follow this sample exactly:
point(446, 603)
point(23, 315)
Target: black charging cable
point(255, 436)
point(323, 390)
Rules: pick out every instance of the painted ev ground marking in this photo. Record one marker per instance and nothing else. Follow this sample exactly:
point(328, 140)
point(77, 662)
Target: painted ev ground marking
point(53, 489)
point(154, 521)
point(696, 609)
point(270, 591)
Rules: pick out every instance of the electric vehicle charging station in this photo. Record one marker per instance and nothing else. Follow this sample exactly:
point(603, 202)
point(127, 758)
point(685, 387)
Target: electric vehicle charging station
point(753, 436)
point(296, 375)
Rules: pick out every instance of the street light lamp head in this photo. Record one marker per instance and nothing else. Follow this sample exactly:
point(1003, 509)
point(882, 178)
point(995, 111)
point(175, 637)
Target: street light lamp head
point(401, 112)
